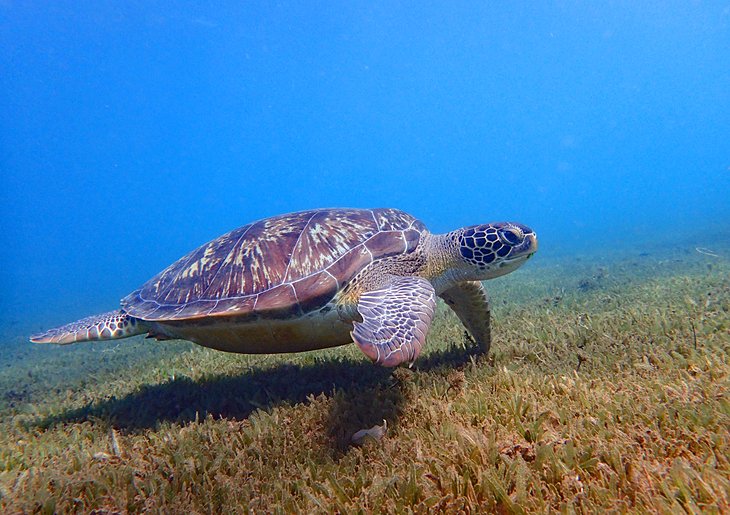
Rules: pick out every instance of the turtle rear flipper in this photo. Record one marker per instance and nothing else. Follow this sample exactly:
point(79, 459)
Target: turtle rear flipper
point(106, 326)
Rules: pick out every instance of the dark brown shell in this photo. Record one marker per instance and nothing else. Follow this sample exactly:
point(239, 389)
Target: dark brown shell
point(280, 267)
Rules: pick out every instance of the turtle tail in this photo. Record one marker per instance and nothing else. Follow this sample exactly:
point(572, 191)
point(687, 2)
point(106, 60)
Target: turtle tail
point(106, 326)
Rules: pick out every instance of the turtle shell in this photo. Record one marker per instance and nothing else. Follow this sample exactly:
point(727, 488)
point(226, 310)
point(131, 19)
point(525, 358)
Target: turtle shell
point(279, 267)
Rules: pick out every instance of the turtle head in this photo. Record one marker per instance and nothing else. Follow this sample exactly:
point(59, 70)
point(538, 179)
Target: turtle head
point(491, 250)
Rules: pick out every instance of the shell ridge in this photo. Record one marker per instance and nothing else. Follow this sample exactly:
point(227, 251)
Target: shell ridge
point(294, 248)
point(230, 252)
point(233, 249)
point(326, 271)
point(215, 305)
point(294, 290)
point(377, 225)
point(372, 258)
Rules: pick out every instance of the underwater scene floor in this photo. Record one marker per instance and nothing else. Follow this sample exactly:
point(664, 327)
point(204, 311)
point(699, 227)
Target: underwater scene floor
point(606, 389)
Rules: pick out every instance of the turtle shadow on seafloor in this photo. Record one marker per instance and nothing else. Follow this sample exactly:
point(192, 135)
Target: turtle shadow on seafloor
point(363, 395)
point(360, 407)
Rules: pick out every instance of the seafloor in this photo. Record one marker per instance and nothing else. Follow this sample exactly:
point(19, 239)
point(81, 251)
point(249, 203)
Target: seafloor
point(606, 388)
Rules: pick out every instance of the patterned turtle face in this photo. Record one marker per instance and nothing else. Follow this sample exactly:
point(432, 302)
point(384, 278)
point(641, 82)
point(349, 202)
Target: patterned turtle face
point(496, 249)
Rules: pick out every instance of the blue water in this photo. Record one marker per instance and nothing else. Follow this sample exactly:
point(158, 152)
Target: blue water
point(132, 132)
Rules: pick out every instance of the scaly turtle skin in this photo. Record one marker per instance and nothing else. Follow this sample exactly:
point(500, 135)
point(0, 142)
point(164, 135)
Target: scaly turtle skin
point(317, 279)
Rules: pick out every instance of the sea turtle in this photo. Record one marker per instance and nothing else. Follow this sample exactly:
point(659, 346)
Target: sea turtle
point(316, 279)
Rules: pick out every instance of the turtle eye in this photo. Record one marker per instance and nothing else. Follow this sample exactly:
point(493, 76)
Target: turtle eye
point(511, 236)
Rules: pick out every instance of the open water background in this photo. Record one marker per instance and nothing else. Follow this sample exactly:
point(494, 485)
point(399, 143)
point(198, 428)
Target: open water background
point(132, 132)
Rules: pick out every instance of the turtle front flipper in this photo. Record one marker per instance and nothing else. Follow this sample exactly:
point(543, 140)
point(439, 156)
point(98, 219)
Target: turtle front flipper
point(470, 302)
point(106, 326)
point(395, 320)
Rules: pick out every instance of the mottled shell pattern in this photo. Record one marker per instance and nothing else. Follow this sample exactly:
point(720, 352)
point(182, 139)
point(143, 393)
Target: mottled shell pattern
point(280, 267)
